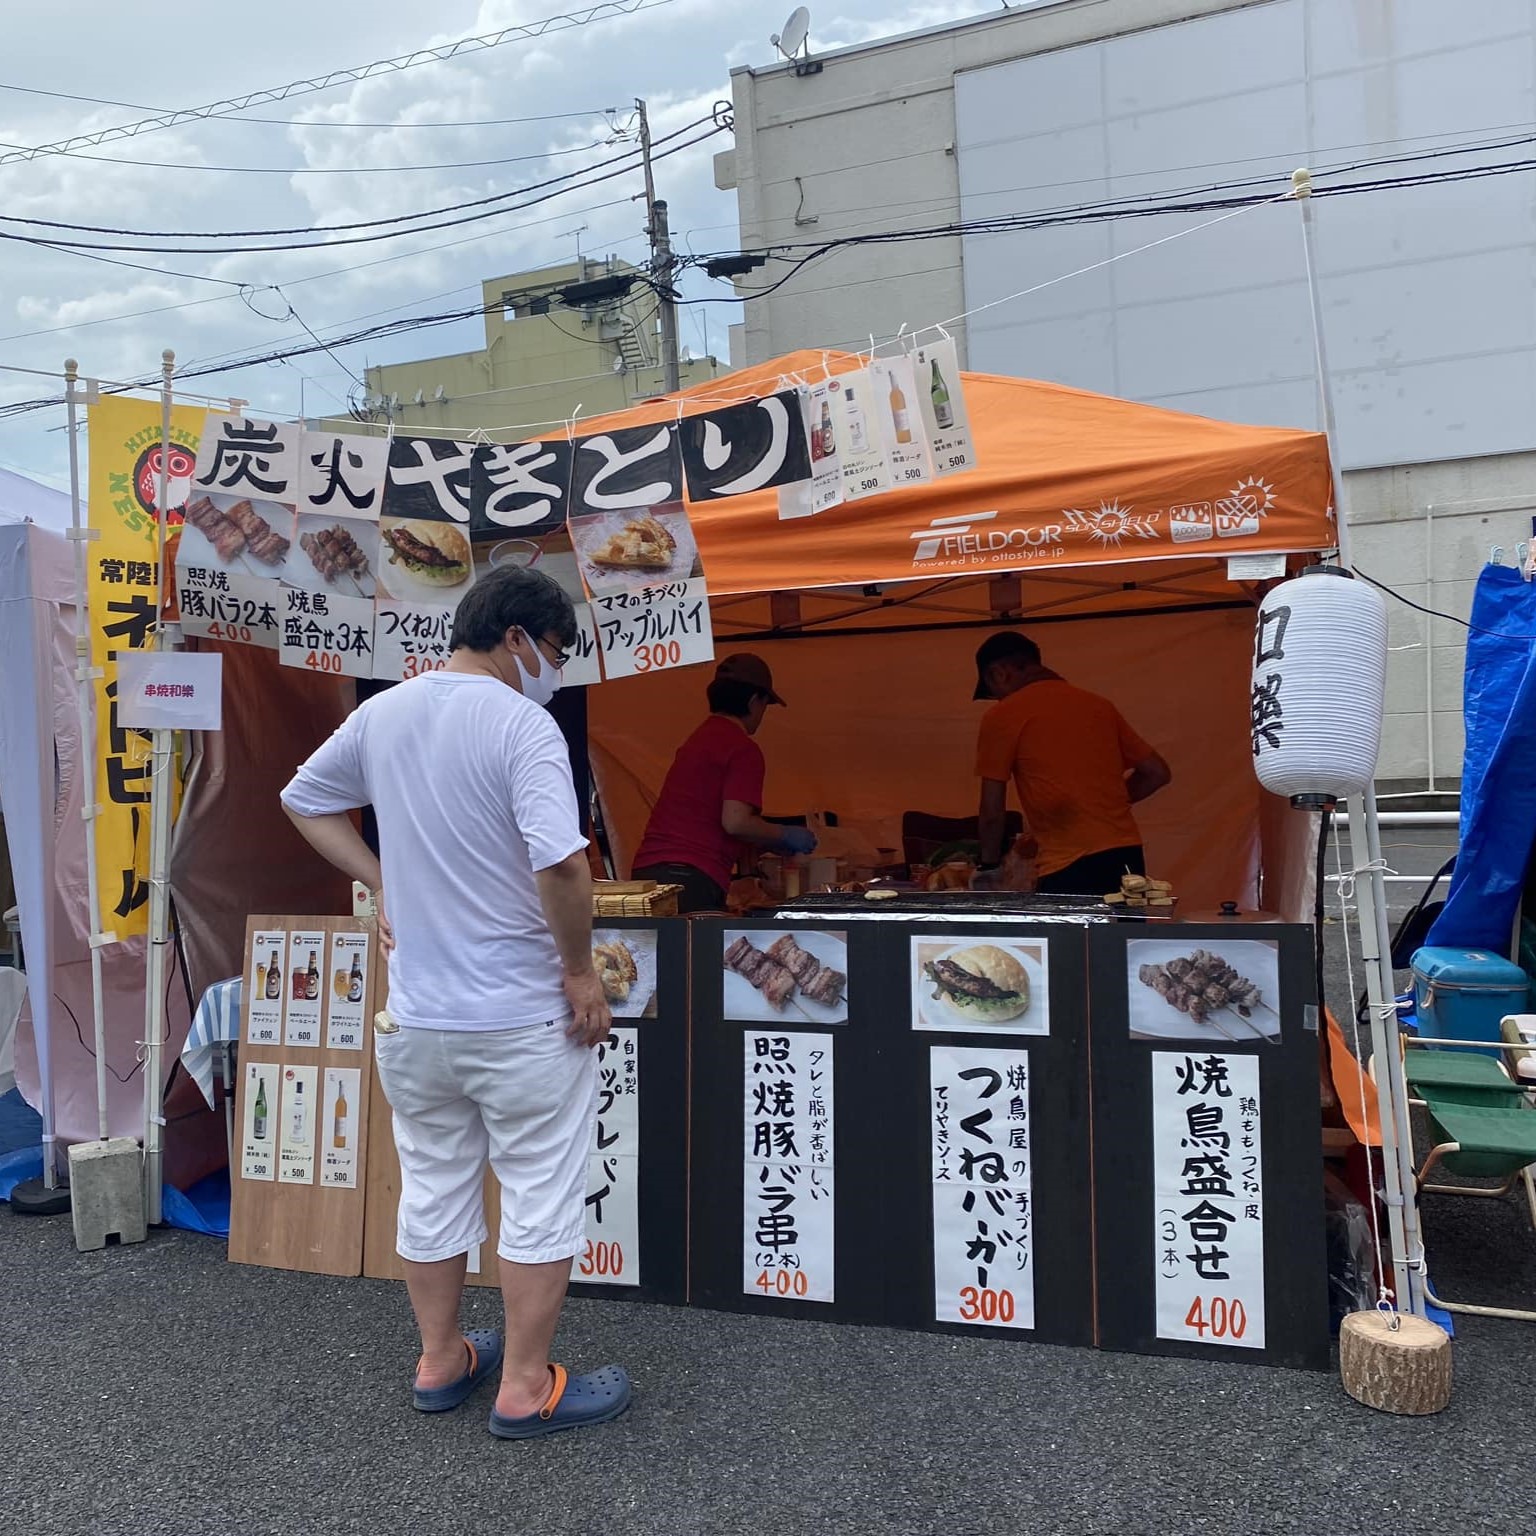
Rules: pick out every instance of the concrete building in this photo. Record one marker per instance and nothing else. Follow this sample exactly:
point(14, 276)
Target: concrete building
point(1428, 291)
point(540, 363)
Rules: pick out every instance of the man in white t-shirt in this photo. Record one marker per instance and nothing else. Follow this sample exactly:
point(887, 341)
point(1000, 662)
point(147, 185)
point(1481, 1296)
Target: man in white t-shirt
point(491, 984)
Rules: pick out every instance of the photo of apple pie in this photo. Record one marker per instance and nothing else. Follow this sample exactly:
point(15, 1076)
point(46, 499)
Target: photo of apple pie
point(616, 969)
point(643, 544)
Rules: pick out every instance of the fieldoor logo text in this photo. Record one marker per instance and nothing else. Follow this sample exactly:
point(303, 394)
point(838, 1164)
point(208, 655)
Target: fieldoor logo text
point(960, 541)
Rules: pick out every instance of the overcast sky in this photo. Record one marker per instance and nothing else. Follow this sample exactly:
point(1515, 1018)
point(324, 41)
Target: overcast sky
point(677, 56)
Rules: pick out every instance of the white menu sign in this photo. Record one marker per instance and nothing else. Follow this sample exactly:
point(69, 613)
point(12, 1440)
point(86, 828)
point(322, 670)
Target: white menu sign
point(327, 632)
point(1207, 1160)
point(296, 1126)
point(983, 1214)
point(861, 437)
point(338, 1127)
point(410, 638)
point(612, 1252)
point(349, 991)
point(823, 407)
point(787, 1189)
point(258, 1130)
point(655, 628)
point(906, 441)
point(306, 987)
point(264, 988)
point(942, 402)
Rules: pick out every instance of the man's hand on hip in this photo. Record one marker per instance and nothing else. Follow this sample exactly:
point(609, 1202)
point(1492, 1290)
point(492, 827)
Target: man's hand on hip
point(591, 1017)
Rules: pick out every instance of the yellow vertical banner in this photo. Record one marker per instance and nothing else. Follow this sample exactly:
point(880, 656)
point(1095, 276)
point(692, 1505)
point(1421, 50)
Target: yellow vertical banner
point(122, 594)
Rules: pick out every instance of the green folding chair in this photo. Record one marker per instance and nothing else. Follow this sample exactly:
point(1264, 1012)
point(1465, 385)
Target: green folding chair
point(1482, 1128)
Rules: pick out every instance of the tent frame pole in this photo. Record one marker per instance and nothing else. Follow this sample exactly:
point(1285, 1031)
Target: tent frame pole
point(161, 753)
point(1401, 1191)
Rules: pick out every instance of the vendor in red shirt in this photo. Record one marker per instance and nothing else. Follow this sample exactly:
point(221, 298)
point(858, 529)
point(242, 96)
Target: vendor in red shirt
point(709, 811)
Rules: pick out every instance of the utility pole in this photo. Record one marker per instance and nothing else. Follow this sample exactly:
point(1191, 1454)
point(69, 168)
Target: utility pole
point(661, 260)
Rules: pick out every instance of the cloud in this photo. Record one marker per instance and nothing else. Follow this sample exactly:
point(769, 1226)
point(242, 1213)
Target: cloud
point(678, 56)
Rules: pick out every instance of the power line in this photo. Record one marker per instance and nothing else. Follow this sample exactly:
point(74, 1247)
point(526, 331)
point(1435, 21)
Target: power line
point(617, 165)
point(299, 122)
point(533, 29)
point(333, 170)
point(316, 277)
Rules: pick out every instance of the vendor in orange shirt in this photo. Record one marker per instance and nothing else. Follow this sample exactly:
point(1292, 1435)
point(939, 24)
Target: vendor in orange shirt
point(1077, 766)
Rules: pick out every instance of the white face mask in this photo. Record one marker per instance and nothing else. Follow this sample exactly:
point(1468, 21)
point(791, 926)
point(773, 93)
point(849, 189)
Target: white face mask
point(541, 686)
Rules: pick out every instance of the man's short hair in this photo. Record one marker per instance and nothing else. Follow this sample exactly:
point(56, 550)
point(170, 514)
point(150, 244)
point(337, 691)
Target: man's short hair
point(511, 597)
point(727, 696)
point(1007, 645)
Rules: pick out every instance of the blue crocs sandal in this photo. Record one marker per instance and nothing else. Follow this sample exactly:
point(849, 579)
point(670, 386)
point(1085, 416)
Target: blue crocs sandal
point(574, 1401)
point(484, 1345)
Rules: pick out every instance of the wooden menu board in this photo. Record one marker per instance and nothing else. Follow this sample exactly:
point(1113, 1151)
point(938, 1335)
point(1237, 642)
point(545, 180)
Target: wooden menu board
point(298, 1171)
point(637, 1167)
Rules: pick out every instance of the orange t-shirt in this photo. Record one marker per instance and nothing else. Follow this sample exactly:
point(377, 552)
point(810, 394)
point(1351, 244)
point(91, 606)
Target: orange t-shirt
point(1067, 752)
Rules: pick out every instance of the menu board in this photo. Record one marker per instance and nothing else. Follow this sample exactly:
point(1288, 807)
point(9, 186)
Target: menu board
point(1210, 1235)
point(301, 1109)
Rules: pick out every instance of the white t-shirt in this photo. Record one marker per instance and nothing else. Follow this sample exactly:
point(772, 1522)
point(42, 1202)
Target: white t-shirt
point(472, 788)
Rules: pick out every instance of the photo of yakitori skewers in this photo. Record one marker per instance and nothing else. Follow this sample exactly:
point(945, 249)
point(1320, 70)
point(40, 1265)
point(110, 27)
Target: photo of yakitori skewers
point(335, 555)
point(230, 533)
point(773, 975)
point(334, 552)
point(1184, 991)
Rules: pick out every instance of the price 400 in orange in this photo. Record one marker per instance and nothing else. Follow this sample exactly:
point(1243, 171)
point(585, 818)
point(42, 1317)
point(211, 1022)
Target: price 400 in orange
point(788, 1283)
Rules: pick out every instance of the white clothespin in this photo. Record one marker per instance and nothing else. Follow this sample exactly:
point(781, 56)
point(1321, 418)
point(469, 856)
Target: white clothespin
point(1496, 555)
point(1525, 558)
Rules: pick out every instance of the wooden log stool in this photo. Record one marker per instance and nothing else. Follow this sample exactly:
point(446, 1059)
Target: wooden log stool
point(1395, 1362)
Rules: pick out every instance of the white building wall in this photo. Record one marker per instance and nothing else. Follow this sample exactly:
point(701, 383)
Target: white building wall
point(1429, 294)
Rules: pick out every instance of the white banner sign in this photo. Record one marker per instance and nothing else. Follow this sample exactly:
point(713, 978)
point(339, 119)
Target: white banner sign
point(612, 1252)
point(983, 1215)
point(170, 690)
point(327, 632)
point(410, 638)
point(788, 1248)
point(226, 605)
point(1208, 1161)
point(652, 629)
point(342, 475)
point(823, 406)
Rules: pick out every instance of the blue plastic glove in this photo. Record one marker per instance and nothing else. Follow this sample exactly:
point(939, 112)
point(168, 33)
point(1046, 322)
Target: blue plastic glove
point(797, 840)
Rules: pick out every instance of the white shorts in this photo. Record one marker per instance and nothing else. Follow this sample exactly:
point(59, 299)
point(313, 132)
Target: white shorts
point(527, 1098)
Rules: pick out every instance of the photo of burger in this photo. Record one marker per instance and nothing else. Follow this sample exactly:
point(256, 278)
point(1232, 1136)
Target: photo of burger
point(419, 554)
point(980, 985)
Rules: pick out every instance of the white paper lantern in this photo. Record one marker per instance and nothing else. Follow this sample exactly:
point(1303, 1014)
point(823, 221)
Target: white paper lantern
point(1319, 687)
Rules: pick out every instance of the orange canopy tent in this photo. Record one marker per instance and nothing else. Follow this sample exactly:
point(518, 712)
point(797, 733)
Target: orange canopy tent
point(1102, 527)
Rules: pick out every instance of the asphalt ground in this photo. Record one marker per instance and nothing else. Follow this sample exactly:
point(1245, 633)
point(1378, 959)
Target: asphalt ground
point(159, 1389)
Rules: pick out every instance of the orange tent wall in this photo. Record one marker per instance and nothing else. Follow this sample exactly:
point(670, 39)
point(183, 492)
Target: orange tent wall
point(881, 720)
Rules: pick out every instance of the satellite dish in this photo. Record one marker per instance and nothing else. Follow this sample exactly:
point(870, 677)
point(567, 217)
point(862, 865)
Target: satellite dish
point(791, 40)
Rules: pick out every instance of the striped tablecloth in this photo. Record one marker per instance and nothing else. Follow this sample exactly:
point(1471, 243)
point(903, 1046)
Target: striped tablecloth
point(217, 1019)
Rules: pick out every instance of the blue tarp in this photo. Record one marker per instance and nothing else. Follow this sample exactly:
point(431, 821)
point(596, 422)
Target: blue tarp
point(1498, 777)
point(203, 1208)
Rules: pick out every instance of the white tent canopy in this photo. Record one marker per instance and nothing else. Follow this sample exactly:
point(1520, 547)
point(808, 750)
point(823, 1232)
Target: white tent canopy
point(43, 784)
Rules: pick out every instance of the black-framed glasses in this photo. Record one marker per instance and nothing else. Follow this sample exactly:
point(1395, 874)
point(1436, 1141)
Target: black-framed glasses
point(556, 655)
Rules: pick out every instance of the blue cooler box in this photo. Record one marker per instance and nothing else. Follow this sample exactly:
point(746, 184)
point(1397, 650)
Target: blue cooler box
point(1462, 994)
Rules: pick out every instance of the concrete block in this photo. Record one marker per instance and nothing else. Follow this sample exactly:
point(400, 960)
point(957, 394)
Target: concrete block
point(106, 1180)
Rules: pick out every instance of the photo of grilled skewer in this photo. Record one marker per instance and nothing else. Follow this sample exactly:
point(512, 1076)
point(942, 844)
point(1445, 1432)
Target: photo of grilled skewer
point(239, 534)
point(1189, 991)
point(335, 554)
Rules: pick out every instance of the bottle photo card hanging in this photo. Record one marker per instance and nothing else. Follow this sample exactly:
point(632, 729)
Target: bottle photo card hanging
point(821, 405)
point(941, 400)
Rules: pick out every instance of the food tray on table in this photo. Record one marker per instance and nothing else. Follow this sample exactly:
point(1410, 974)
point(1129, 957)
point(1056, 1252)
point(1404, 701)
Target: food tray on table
point(634, 898)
